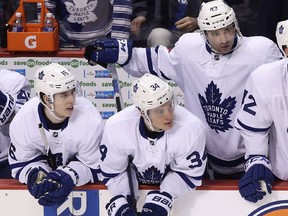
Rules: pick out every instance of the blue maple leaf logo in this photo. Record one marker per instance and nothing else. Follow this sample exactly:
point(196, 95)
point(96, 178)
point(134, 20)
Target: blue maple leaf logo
point(281, 29)
point(41, 75)
point(217, 113)
point(151, 176)
point(135, 88)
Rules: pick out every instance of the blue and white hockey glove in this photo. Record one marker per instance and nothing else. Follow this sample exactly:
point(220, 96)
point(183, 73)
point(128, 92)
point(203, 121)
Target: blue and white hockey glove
point(119, 206)
point(7, 106)
point(65, 185)
point(157, 204)
point(36, 184)
point(258, 179)
point(109, 51)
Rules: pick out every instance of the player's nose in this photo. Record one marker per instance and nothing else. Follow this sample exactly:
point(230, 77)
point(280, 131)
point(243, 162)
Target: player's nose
point(223, 38)
point(169, 115)
point(71, 99)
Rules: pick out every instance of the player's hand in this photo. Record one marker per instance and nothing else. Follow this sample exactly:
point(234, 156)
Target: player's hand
point(187, 24)
point(7, 106)
point(105, 51)
point(136, 24)
point(58, 196)
point(36, 186)
point(88, 54)
point(119, 206)
point(157, 204)
point(257, 181)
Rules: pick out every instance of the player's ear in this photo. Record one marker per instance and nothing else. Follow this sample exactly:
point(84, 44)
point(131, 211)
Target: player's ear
point(140, 111)
point(47, 100)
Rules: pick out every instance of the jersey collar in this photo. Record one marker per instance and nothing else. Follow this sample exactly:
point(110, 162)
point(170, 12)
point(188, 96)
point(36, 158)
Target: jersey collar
point(45, 121)
point(145, 133)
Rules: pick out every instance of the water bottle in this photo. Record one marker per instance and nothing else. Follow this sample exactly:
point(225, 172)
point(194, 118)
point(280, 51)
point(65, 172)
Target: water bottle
point(39, 5)
point(18, 25)
point(48, 23)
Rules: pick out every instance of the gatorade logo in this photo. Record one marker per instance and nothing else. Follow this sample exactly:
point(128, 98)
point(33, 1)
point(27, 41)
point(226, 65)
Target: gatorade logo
point(30, 42)
point(278, 208)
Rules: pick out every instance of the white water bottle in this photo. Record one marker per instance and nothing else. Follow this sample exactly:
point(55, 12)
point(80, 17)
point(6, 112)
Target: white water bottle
point(18, 24)
point(48, 23)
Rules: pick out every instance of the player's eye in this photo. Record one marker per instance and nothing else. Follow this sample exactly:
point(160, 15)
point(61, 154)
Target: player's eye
point(160, 112)
point(68, 93)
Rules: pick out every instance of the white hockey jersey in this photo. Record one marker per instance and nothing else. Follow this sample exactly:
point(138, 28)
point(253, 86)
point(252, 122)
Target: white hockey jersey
point(212, 85)
point(176, 160)
point(18, 87)
point(263, 118)
point(75, 145)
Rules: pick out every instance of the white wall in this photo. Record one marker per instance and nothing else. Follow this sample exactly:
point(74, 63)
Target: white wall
point(91, 202)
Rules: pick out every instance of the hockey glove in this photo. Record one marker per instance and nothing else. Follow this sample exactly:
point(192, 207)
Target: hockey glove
point(65, 186)
point(7, 106)
point(258, 179)
point(109, 51)
point(36, 184)
point(118, 206)
point(157, 204)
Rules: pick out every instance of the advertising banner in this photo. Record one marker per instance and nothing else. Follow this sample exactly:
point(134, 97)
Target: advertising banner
point(95, 81)
point(200, 202)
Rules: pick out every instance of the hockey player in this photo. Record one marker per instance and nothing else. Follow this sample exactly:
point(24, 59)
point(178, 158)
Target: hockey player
point(262, 122)
point(14, 92)
point(165, 143)
point(211, 68)
point(55, 138)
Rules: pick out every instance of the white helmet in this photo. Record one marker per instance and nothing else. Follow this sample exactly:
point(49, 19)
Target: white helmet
point(149, 92)
point(282, 35)
point(216, 14)
point(53, 79)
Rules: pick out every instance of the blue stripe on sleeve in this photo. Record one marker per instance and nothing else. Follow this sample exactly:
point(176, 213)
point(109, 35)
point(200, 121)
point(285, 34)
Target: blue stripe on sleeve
point(188, 181)
point(23, 164)
point(164, 76)
point(150, 64)
point(149, 60)
point(251, 128)
point(108, 176)
point(18, 174)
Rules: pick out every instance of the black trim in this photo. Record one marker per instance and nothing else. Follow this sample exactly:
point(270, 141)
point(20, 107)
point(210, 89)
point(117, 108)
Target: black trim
point(224, 163)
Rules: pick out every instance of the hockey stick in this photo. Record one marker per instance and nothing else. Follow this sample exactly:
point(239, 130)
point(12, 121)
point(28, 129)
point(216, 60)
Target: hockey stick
point(119, 105)
point(115, 83)
point(44, 138)
point(50, 160)
point(131, 186)
point(41, 174)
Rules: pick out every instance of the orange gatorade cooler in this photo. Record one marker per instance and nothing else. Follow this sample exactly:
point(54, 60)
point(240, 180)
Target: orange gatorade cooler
point(32, 38)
